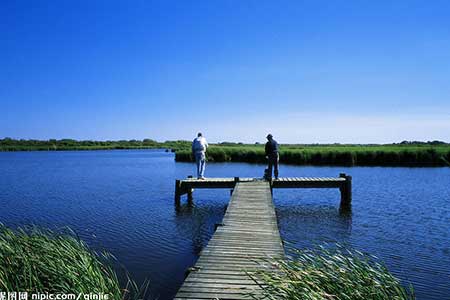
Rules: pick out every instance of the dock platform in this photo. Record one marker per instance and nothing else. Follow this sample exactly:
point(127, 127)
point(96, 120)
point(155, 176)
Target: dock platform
point(343, 183)
point(247, 240)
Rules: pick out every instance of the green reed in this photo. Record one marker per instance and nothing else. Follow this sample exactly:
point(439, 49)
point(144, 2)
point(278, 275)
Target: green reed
point(349, 155)
point(330, 273)
point(39, 260)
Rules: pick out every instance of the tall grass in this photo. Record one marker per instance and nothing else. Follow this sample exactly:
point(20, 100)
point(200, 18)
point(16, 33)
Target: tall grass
point(37, 260)
point(338, 155)
point(331, 273)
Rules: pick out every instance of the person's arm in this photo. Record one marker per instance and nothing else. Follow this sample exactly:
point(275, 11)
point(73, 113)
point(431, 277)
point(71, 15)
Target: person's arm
point(193, 149)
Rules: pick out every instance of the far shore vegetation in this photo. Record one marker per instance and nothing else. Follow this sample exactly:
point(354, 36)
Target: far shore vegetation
point(406, 153)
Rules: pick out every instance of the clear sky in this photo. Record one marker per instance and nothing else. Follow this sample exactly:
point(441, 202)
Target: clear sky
point(306, 71)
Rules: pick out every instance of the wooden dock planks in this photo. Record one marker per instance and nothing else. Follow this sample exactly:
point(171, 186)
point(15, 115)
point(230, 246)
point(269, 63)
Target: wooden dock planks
point(246, 241)
point(283, 182)
point(248, 238)
point(343, 183)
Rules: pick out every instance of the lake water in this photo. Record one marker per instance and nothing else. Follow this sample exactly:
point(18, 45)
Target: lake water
point(123, 201)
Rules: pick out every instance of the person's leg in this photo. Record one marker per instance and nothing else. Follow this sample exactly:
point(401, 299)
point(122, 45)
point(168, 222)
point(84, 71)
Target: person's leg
point(269, 173)
point(202, 167)
point(275, 163)
point(198, 163)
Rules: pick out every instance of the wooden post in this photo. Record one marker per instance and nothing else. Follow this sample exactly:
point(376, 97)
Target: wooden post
point(236, 180)
point(177, 192)
point(342, 189)
point(346, 190)
point(189, 194)
point(189, 191)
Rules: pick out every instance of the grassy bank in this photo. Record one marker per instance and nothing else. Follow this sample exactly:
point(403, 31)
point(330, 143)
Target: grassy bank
point(8, 144)
point(335, 273)
point(346, 155)
point(402, 154)
point(39, 261)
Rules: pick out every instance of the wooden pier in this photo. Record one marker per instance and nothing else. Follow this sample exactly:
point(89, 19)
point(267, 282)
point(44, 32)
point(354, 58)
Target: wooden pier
point(343, 183)
point(248, 238)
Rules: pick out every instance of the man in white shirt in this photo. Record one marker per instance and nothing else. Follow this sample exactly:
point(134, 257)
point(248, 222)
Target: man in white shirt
point(199, 145)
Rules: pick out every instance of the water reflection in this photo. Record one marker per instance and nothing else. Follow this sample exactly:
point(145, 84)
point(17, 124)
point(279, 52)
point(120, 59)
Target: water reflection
point(345, 211)
point(304, 224)
point(310, 216)
point(184, 208)
point(197, 221)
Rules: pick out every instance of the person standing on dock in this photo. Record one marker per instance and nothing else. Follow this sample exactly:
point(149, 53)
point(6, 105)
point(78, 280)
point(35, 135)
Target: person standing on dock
point(272, 156)
point(199, 145)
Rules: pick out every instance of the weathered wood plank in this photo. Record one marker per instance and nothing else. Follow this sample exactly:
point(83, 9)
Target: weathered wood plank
point(248, 240)
point(282, 182)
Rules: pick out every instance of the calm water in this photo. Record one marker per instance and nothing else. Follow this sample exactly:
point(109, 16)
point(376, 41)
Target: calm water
point(122, 201)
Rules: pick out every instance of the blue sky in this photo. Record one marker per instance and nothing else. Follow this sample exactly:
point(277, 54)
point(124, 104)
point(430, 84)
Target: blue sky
point(307, 71)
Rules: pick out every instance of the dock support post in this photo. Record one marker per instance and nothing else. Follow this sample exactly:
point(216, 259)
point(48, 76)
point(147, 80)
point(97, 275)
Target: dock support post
point(181, 190)
point(189, 191)
point(346, 190)
point(236, 180)
point(177, 192)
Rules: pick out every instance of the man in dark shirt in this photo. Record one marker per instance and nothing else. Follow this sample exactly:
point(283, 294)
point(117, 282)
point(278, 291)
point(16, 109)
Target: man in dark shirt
point(272, 155)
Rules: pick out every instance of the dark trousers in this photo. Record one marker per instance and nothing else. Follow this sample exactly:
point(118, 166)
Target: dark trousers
point(273, 162)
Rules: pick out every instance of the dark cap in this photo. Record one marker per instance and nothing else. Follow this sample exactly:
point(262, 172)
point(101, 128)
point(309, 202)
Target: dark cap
point(269, 136)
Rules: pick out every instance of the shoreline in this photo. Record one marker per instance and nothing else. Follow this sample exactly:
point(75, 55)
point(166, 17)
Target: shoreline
point(405, 154)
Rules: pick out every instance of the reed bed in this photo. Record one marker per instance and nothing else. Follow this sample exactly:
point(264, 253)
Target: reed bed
point(325, 273)
point(35, 260)
point(342, 156)
point(416, 153)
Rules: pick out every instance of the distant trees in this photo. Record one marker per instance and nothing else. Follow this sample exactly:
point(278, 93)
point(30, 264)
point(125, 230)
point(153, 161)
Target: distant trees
point(435, 142)
point(9, 144)
point(149, 142)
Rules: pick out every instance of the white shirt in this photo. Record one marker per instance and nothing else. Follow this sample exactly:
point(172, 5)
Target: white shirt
point(199, 144)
